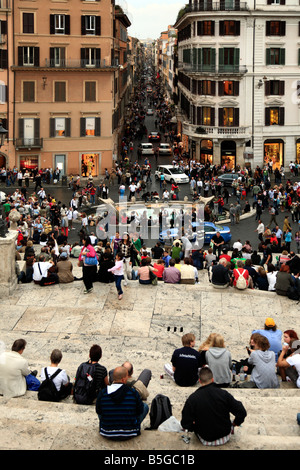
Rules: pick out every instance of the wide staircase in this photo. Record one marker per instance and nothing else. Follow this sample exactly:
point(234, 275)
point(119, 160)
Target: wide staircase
point(145, 328)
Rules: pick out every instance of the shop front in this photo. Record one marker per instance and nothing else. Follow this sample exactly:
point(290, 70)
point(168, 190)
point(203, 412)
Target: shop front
point(29, 162)
point(228, 154)
point(90, 164)
point(298, 151)
point(206, 151)
point(274, 153)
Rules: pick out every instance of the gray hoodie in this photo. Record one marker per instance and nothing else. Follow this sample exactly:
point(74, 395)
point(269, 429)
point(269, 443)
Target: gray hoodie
point(219, 361)
point(264, 371)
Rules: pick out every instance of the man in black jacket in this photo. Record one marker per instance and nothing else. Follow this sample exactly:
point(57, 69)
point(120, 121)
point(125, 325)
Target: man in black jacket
point(207, 412)
point(220, 277)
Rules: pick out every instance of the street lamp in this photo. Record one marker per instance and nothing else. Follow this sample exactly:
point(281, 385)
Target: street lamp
point(3, 134)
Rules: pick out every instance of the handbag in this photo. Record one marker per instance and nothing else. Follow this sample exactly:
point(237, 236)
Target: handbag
point(153, 278)
point(91, 261)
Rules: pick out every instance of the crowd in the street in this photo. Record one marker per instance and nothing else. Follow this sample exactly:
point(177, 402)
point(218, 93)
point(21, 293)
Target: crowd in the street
point(43, 242)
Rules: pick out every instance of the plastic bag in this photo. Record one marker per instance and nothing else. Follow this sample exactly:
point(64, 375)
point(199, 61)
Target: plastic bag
point(170, 425)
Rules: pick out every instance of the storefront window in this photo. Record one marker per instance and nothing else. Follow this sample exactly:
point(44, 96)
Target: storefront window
point(228, 155)
point(206, 152)
point(273, 154)
point(298, 151)
point(89, 164)
point(29, 162)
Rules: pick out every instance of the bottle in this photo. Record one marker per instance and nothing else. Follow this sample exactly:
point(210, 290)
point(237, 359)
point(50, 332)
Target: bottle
point(242, 374)
point(233, 373)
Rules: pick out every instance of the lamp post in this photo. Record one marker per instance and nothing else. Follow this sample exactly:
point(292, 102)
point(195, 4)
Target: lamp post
point(3, 225)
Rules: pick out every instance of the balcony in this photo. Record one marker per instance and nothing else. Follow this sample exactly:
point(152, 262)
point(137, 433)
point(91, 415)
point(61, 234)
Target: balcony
point(223, 5)
point(28, 144)
point(62, 64)
point(212, 69)
point(217, 132)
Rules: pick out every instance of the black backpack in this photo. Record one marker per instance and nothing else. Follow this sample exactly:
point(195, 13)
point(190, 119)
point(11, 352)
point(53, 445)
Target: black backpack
point(85, 387)
point(160, 410)
point(48, 390)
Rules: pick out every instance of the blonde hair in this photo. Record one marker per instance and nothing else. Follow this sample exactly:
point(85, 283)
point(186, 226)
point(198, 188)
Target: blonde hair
point(208, 342)
point(218, 341)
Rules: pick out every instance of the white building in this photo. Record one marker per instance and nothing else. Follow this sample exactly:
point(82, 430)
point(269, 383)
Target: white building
point(238, 72)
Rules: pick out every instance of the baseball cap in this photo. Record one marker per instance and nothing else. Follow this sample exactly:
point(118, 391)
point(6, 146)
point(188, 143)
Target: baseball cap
point(269, 322)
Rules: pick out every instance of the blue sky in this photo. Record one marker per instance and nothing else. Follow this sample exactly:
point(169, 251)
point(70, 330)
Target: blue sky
point(150, 18)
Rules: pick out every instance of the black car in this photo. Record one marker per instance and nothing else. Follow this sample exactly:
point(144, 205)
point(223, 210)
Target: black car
point(154, 137)
point(228, 178)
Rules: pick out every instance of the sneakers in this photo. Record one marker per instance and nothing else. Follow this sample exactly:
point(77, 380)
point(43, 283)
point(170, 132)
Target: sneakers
point(87, 291)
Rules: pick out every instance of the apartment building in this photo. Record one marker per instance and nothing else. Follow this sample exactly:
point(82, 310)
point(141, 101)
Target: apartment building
point(6, 81)
point(238, 81)
point(65, 68)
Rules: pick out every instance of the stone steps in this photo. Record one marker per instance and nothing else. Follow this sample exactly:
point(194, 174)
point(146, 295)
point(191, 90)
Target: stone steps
point(27, 423)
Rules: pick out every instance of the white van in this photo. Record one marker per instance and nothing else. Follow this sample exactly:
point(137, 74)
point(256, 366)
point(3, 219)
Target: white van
point(172, 174)
point(146, 148)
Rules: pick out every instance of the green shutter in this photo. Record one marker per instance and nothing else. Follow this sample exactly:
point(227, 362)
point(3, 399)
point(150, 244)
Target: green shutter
point(268, 56)
point(282, 57)
point(236, 59)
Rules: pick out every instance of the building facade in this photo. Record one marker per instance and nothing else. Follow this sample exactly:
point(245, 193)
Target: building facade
point(238, 69)
point(67, 75)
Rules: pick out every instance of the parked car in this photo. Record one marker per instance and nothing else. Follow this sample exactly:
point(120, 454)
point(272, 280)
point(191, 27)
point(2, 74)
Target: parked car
point(172, 174)
point(210, 229)
point(165, 149)
point(146, 149)
point(154, 137)
point(228, 178)
point(150, 112)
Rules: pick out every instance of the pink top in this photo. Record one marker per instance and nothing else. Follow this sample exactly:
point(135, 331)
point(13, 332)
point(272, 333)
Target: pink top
point(88, 251)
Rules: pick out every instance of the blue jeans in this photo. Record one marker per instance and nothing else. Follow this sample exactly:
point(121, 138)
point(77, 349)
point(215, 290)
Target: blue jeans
point(144, 413)
point(118, 280)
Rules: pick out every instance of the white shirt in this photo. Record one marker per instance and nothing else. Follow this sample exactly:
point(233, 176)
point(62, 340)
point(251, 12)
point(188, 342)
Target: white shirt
point(44, 266)
point(59, 380)
point(272, 280)
point(295, 361)
point(13, 370)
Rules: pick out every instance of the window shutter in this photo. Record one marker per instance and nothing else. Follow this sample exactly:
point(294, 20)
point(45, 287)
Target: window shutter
point(282, 28)
point(282, 57)
point(67, 24)
point(281, 87)
point(36, 128)
point(237, 28)
point(268, 29)
point(98, 25)
point(200, 87)
point(82, 127)
point(282, 2)
point(52, 24)
point(221, 57)
point(51, 56)
point(20, 56)
point(281, 116)
point(221, 28)
point(98, 57)
point(97, 127)
point(21, 128)
point(83, 31)
point(212, 28)
point(212, 116)
point(3, 59)
point(221, 88)
point(236, 112)
point(236, 88)
point(3, 27)
point(68, 127)
point(213, 88)
point(268, 56)
point(36, 58)
point(199, 116)
point(267, 88)
point(221, 122)
point(236, 57)
point(213, 58)
point(199, 28)
point(52, 127)
point(83, 56)
point(267, 116)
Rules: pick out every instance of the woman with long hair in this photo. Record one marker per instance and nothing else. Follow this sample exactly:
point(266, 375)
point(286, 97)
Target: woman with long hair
point(89, 271)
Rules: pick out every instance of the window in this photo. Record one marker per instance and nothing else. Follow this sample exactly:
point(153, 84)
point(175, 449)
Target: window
point(274, 116)
point(59, 91)
point(59, 24)
point(275, 28)
point(228, 117)
point(28, 91)
point(57, 56)
point(3, 59)
point(28, 56)
point(60, 127)
point(91, 25)
point(90, 57)
point(274, 87)
point(229, 88)
point(208, 87)
point(229, 59)
point(275, 56)
point(229, 28)
point(206, 116)
point(90, 126)
point(90, 91)
point(3, 93)
point(206, 28)
point(28, 23)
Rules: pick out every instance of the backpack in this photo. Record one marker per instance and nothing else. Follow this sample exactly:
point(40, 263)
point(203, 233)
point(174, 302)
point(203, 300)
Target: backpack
point(241, 282)
point(48, 390)
point(85, 387)
point(160, 410)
